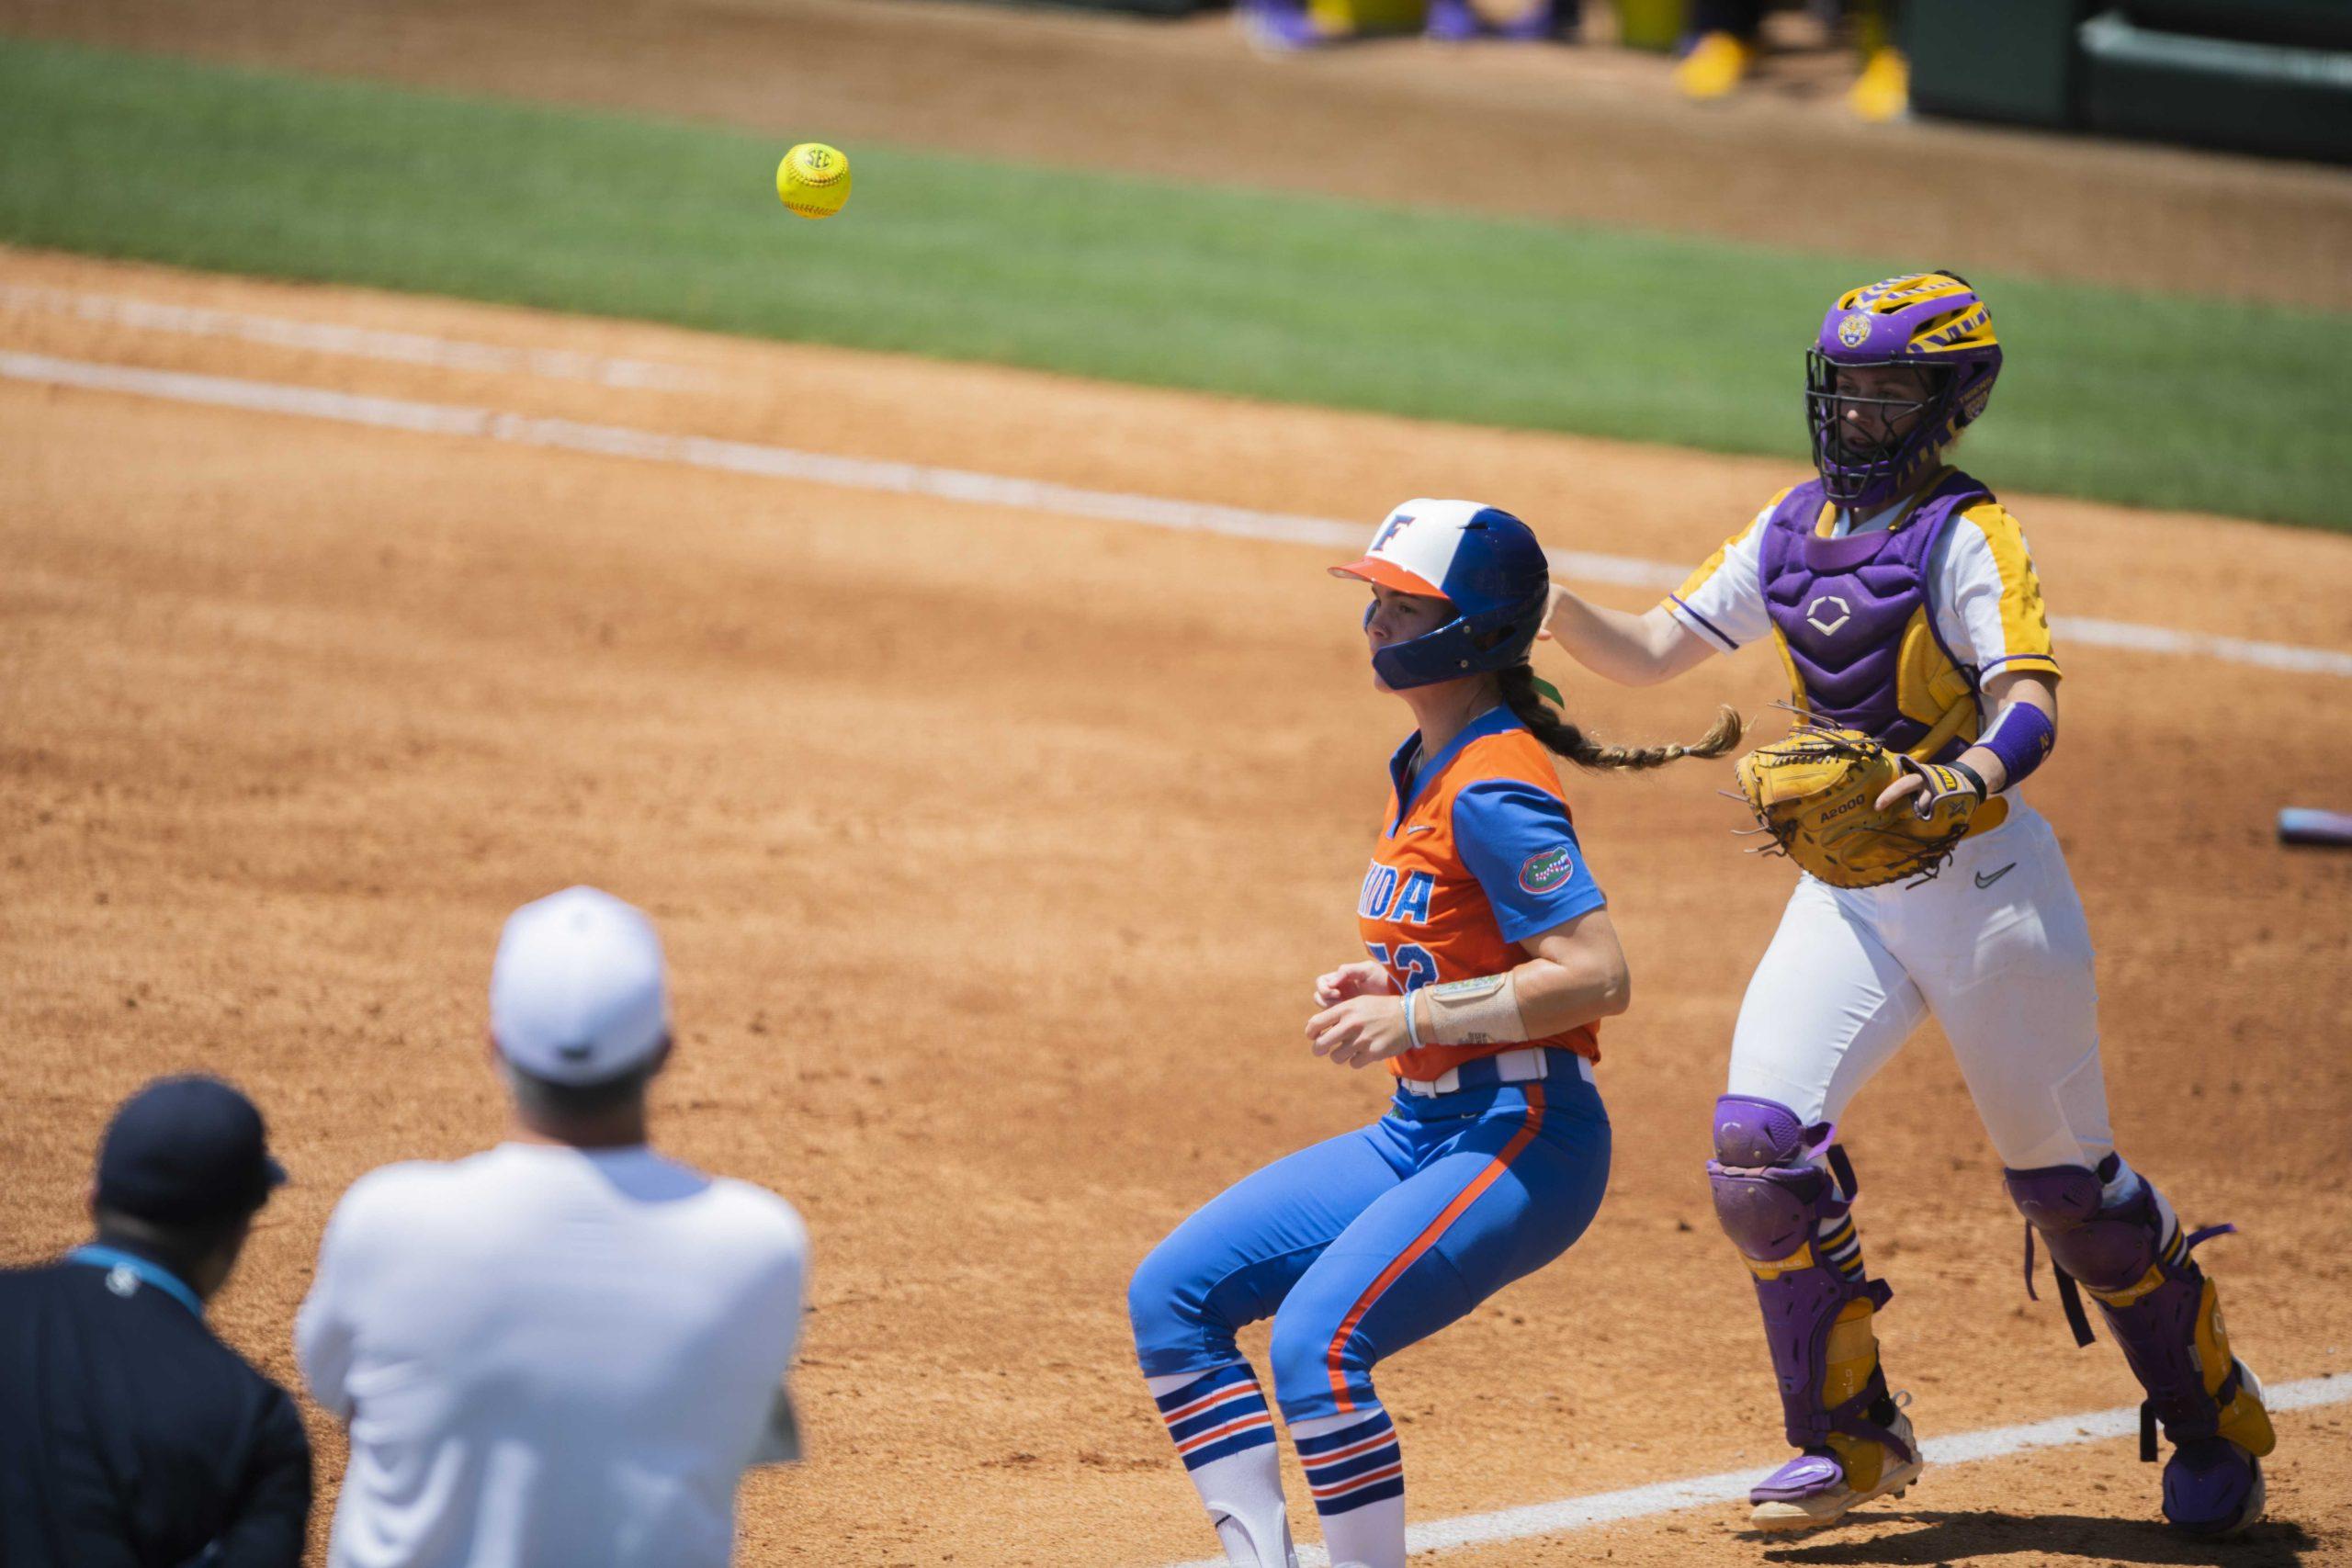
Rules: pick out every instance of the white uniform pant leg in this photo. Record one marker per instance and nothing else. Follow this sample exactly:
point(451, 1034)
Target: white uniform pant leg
point(2000, 949)
point(1827, 1007)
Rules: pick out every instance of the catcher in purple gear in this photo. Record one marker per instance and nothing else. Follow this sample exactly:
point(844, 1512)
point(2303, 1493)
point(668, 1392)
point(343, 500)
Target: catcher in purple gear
point(1900, 597)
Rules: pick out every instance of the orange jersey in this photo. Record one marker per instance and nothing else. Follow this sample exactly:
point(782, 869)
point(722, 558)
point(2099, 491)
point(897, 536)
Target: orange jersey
point(1477, 854)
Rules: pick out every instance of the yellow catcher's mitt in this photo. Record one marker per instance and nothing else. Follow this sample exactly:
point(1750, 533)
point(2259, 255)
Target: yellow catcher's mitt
point(1816, 792)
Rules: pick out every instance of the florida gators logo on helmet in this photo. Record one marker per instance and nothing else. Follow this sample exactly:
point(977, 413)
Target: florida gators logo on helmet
point(1480, 559)
point(1932, 322)
point(1397, 523)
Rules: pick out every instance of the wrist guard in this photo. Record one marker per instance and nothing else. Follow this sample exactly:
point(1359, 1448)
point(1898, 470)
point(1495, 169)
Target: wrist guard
point(1483, 1011)
point(2021, 736)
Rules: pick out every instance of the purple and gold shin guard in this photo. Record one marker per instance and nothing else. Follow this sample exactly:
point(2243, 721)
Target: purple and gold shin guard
point(1789, 1218)
point(2129, 1253)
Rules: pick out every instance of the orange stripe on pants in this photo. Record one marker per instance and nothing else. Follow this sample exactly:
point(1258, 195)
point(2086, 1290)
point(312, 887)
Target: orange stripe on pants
point(1427, 1238)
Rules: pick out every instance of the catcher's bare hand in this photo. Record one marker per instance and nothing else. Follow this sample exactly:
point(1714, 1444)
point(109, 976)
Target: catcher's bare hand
point(1362, 978)
point(1550, 608)
point(1360, 1031)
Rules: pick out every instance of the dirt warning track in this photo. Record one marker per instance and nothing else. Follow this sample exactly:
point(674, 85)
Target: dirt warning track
point(995, 847)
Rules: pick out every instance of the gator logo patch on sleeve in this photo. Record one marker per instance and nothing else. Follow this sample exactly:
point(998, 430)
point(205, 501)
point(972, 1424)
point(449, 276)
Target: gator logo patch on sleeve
point(1547, 870)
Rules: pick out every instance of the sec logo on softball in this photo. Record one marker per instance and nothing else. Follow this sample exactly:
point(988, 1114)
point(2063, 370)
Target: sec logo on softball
point(813, 180)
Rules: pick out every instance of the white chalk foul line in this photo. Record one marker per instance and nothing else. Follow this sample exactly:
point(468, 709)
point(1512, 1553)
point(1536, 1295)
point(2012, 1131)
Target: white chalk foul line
point(974, 489)
point(1704, 1490)
point(326, 337)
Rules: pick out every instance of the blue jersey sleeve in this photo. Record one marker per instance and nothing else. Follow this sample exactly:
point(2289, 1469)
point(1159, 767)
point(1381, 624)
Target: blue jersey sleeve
point(1517, 841)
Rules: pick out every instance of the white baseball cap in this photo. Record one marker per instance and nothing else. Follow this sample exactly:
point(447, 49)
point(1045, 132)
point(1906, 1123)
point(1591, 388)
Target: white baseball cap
point(577, 993)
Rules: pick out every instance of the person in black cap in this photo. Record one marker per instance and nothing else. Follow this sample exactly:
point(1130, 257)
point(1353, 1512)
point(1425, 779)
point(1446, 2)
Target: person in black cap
point(130, 1436)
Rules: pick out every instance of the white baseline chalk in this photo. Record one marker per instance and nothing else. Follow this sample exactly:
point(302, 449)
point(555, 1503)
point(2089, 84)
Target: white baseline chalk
point(974, 489)
point(328, 337)
point(1703, 1491)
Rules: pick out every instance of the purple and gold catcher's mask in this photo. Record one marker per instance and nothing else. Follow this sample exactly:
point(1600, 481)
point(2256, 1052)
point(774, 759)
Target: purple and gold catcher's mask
point(1931, 322)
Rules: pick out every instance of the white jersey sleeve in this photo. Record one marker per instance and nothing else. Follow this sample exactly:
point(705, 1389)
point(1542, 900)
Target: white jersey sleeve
point(1722, 601)
point(1988, 600)
point(322, 1337)
point(326, 1328)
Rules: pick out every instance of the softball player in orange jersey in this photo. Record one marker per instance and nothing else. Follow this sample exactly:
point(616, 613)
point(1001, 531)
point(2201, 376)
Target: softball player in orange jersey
point(1492, 963)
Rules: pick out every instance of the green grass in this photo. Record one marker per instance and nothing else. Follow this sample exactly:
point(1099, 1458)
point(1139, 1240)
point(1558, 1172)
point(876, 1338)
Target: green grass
point(2146, 401)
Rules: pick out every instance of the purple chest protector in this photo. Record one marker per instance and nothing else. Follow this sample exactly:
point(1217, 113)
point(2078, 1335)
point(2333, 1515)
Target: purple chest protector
point(1841, 605)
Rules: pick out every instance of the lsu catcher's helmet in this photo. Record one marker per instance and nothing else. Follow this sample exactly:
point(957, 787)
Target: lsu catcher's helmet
point(1931, 321)
point(1480, 559)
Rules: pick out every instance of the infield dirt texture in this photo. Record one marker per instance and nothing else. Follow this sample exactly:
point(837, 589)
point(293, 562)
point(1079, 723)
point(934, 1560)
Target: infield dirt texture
point(995, 848)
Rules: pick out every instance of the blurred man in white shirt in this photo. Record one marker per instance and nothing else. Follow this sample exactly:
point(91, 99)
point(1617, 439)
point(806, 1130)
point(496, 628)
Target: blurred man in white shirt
point(566, 1350)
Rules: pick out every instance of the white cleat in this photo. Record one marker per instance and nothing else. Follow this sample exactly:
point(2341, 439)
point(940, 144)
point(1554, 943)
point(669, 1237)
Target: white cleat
point(1811, 1493)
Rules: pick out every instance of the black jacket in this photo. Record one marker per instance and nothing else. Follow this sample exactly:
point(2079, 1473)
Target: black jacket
point(132, 1438)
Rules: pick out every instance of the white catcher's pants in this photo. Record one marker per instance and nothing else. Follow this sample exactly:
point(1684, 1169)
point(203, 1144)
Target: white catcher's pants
point(1996, 948)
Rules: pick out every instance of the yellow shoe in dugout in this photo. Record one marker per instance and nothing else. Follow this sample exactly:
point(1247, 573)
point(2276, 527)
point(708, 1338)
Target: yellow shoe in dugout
point(1882, 92)
point(1715, 66)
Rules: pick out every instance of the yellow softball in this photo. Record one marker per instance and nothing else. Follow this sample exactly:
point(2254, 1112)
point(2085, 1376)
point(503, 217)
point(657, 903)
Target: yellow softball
point(813, 180)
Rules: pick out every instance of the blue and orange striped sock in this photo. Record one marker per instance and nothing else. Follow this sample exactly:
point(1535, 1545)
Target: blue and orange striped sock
point(1225, 1435)
point(1216, 1414)
point(1357, 1474)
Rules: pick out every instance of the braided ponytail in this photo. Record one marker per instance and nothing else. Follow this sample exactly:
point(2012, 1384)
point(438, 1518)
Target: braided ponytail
point(1562, 738)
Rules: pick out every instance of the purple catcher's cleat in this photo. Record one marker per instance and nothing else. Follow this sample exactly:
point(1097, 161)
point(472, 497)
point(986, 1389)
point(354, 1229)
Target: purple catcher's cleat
point(1812, 1492)
point(2212, 1487)
point(1807, 1475)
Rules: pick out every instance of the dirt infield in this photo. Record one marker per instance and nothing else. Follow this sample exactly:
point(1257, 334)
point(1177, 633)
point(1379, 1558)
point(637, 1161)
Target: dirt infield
point(1588, 135)
point(995, 850)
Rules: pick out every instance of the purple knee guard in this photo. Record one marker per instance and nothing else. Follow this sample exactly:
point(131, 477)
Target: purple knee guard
point(1773, 1200)
point(1768, 1193)
point(2113, 1248)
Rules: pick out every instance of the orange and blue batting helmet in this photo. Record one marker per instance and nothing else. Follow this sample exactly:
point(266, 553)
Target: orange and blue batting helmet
point(1480, 559)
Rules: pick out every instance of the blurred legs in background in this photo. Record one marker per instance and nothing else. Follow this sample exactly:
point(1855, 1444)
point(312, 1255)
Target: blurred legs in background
point(1302, 24)
point(1529, 20)
point(1882, 92)
point(1722, 48)
point(1726, 34)
point(1279, 24)
point(1723, 37)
